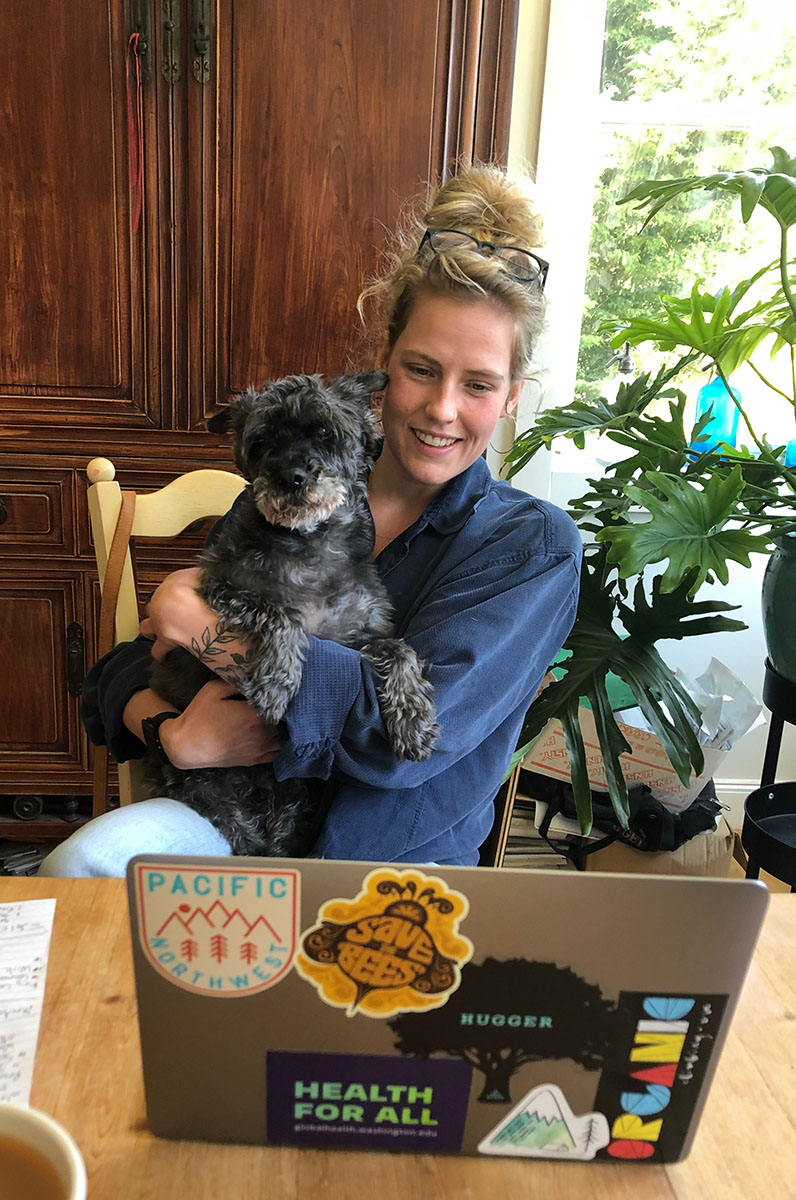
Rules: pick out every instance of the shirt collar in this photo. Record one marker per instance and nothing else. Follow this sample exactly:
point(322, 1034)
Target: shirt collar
point(448, 511)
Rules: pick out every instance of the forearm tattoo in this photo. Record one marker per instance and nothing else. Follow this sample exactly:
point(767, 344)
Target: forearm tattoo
point(229, 664)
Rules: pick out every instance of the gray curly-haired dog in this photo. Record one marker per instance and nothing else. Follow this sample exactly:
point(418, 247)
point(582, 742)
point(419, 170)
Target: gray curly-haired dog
point(293, 558)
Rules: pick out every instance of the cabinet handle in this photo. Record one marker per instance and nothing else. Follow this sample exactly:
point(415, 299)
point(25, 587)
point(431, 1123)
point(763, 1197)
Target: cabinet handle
point(200, 32)
point(170, 17)
point(75, 658)
point(3, 511)
point(139, 23)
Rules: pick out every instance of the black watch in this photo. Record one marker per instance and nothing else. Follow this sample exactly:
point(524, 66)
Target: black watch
point(150, 728)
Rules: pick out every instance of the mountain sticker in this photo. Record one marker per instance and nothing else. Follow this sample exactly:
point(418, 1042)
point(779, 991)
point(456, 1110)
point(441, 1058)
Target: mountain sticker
point(543, 1125)
point(218, 931)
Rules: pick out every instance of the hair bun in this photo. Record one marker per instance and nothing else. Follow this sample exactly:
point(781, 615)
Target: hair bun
point(483, 200)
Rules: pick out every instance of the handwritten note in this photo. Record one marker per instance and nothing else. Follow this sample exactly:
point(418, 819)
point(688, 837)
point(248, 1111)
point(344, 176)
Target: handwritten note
point(25, 930)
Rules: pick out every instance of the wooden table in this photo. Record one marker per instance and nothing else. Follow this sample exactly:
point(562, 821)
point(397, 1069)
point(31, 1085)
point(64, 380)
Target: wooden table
point(88, 1075)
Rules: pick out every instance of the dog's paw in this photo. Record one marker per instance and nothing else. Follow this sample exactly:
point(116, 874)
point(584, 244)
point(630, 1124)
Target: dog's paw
point(406, 699)
point(412, 740)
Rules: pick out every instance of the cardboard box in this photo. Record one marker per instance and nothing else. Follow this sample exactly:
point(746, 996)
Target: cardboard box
point(706, 854)
point(647, 763)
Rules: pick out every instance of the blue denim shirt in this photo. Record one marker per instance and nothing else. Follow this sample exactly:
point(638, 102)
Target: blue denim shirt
point(484, 586)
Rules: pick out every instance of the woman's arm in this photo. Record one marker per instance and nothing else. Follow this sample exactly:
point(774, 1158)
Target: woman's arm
point(177, 615)
point(217, 729)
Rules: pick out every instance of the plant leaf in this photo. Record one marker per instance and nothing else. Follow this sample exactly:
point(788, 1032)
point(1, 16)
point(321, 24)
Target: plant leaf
point(687, 528)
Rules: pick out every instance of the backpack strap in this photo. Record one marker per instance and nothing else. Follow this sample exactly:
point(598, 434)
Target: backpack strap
point(110, 596)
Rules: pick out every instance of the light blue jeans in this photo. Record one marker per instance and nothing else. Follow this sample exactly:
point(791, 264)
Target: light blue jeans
point(105, 845)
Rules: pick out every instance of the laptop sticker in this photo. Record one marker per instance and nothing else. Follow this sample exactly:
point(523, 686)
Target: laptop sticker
point(218, 931)
point(544, 1126)
point(507, 1013)
point(650, 1087)
point(393, 948)
point(366, 1100)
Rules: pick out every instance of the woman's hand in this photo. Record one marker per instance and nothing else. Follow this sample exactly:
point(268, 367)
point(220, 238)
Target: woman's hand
point(218, 729)
point(176, 615)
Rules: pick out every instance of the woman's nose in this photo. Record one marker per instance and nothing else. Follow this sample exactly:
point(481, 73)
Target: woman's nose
point(442, 404)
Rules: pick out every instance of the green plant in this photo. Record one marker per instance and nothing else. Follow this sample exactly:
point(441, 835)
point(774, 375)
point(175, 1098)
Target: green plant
point(665, 502)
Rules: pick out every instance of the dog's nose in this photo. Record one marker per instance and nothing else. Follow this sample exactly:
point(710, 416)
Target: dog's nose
point(294, 478)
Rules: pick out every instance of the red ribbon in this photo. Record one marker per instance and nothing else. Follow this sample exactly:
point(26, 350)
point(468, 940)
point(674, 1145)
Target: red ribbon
point(134, 130)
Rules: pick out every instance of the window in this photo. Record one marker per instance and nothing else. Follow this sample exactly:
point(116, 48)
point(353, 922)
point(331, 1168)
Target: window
point(636, 89)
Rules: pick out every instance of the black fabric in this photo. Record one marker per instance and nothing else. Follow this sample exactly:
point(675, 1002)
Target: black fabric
point(652, 827)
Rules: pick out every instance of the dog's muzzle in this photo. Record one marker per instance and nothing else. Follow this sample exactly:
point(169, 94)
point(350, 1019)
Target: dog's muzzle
point(300, 500)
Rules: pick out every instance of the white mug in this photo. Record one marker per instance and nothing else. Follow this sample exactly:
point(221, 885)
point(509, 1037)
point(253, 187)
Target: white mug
point(36, 1129)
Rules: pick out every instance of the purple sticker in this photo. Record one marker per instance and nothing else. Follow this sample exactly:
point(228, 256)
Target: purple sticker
point(366, 1100)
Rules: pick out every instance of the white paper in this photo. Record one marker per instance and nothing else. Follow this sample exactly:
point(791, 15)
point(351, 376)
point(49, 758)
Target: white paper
point(25, 929)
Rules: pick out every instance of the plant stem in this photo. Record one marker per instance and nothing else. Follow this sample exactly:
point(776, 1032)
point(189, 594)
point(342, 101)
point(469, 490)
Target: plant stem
point(790, 399)
point(742, 411)
point(788, 475)
point(783, 270)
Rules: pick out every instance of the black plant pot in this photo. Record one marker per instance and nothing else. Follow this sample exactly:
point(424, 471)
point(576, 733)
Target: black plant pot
point(779, 607)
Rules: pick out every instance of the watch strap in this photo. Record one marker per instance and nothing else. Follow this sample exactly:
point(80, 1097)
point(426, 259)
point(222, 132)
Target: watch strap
point(150, 728)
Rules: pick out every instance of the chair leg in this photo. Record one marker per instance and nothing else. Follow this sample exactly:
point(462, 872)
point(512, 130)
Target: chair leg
point(738, 852)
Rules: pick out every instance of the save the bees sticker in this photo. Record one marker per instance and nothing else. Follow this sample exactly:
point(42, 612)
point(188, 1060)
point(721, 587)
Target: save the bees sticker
point(393, 948)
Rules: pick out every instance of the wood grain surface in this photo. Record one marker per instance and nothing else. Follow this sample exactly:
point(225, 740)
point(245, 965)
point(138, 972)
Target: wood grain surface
point(88, 1075)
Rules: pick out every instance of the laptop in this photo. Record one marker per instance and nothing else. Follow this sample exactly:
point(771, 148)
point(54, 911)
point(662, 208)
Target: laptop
point(458, 1010)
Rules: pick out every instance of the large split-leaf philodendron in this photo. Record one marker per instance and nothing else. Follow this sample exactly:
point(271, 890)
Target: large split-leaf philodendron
point(666, 505)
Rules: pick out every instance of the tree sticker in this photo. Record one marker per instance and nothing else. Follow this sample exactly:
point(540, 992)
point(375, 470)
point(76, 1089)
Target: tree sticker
point(508, 1013)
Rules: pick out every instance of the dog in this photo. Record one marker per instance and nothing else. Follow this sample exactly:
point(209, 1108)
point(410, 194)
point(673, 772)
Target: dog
point(293, 559)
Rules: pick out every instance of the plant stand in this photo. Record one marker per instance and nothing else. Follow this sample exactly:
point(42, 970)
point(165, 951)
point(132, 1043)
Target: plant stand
point(769, 829)
point(779, 697)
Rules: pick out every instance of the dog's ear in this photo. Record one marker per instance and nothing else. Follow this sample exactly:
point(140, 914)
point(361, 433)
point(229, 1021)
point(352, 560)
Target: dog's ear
point(220, 421)
point(230, 419)
point(361, 386)
point(372, 381)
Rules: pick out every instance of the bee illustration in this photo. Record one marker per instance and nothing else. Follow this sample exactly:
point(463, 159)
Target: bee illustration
point(387, 949)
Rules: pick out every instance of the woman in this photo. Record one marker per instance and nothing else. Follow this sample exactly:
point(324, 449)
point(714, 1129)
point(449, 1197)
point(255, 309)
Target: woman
point(483, 578)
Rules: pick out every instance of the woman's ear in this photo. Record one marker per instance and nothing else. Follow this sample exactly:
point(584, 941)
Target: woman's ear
point(513, 398)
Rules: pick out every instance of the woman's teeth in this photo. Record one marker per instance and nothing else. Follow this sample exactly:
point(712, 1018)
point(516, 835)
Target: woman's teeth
point(429, 440)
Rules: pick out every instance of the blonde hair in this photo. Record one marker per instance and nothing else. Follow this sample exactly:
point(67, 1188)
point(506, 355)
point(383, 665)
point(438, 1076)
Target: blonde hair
point(481, 200)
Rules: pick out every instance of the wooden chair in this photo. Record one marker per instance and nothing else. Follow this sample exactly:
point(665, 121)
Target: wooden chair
point(493, 850)
point(161, 514)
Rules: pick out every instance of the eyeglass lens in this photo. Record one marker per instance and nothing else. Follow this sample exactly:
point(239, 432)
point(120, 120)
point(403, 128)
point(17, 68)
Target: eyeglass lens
point(522, 262)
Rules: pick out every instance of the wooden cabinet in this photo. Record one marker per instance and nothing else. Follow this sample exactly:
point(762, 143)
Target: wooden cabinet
point(269, 143)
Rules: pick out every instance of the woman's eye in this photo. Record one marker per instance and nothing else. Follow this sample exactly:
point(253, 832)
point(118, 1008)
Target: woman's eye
point(423, 372)
point(477, 386)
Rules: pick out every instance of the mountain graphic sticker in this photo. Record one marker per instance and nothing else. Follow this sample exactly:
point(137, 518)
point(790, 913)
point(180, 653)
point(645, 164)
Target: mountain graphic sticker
point(544, 1126)
point(216, 930)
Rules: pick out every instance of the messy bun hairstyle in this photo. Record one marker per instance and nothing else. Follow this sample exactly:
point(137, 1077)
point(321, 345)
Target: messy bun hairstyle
point(483, 201)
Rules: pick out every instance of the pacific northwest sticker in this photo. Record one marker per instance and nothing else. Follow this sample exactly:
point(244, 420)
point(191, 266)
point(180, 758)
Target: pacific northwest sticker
point(218, 931)
point(394, 948)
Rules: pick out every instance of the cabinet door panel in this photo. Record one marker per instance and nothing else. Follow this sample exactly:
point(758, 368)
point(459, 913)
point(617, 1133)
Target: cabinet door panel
point(71, 307)
point(329, 113)
point(38, 718)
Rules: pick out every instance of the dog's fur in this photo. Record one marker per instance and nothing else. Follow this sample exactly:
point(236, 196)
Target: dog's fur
point(293, 558)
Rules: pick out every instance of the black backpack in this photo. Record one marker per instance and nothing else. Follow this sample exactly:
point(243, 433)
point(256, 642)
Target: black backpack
point(652, 826)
